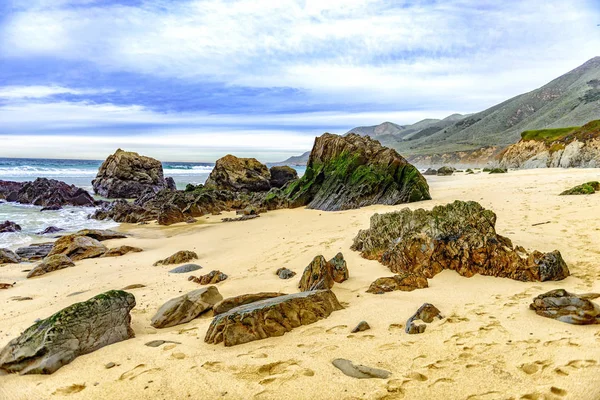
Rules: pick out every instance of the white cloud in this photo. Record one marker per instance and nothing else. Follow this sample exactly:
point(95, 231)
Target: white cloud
point(36, 92)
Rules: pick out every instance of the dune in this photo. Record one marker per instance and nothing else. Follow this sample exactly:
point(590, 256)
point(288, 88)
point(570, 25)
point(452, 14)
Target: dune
point(488, 346)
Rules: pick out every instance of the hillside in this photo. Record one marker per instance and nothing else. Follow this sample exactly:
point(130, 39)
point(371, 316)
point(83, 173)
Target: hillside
point(300, 160)
point(570, 100)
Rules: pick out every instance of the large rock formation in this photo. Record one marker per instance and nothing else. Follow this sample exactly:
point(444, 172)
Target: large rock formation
point(567, 307)
point(76, 330)
point(352, 171)
point(239, 174)
point(45, 193)
point(233, 302)
point(78, 247)
point(271, 317)
point(51, 263)
point(126, 174)
point(460, 236)
point(281, 175)
point(185, 308)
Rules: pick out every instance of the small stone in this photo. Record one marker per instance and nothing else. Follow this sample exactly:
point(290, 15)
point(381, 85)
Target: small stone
point(426, 313)
point(110, 365)
point(158, 343)
point(362, 326)
point(185, 268)
point(359, 371)
point(211, 278)
point(285, 273)
point(178, 356)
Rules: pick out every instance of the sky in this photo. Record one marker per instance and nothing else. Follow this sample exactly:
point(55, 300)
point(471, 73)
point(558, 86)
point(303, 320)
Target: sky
point(193, 80)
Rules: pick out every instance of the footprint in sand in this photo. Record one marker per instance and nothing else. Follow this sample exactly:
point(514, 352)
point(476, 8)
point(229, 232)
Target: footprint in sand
point(534, 367)
point(67, 390)
point(136, 371)
point(562, 342)
point(213, 366)
point(417, 376)
point(442, 381)
point(574, 365)
point(337, 328)
point(484, 396)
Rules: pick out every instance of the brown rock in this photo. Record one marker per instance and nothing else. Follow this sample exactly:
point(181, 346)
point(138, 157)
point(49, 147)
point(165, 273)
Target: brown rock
point(322, 275)
point(242, 218)
point(285, 273)
point(232, 302)
point(178, 258)
point(185, 308)
point(170, 214)
point(567, 307)
point(121, 251)
point(78, 247)
point(51, 263)
point(239, 174)
point(101, 234)
point(211, 278)
point(8, 257)
point(271, 317)
point(7, 285)
point(339, 269)
point(361, 327)
point(426, 313)
point(134, 286)
point(405, 281)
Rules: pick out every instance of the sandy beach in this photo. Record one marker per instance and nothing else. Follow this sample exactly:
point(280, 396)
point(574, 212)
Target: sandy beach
point(488, 346)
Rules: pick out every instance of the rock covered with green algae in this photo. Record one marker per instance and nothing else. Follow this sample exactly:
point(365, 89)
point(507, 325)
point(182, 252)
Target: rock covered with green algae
point(76, 330)
point(586, 188)
point(352, 171)
point(459, 236)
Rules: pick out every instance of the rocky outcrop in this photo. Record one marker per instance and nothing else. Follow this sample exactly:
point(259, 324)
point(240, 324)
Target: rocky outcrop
point(477, 157)
point(9, 257)
point(48, 193)
point(239, 174)
point(121, 251)
point(232, 302)
point(586, 188)
point(76, 330)
point(281, 175)
point(406, 282)
point(78, 247)
point(426, 313)
point(9, 226)
point(50, 264)
point(126, 174)
point(460, 236)
point(271, 317)
point(430, 171)
point(209, 279)
point(567, 307)
point(101, 234)
point(320, 274)
point(445, 171)
point(178, 258)
point(35, 252)
point(352, 171)
point(185, 308)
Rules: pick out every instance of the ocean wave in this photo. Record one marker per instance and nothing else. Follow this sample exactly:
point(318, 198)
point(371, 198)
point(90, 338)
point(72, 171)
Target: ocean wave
point(28, 171)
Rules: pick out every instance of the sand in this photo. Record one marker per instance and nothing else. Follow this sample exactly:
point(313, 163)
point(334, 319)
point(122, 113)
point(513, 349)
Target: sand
point(489, 346)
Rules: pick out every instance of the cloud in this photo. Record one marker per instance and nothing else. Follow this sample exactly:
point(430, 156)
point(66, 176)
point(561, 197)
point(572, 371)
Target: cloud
point(37, 92)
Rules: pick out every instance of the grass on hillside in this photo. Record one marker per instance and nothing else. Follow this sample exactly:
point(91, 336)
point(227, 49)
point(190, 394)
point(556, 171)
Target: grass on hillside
point(564, 135)
point(548, 135)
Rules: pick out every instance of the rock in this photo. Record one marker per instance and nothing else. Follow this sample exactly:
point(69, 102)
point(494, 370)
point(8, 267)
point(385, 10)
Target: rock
point(9, 257)
point(339, 269)
point(21, 298)
point(134, 286)
point(51, 263)
point(460, 236)
point(171, 185)
point(426, 313)
point(128, 175)
point(110, 365)
point(185, 308)
point(78, 247)
point(430, 171)
point(7, 285)
point(242, 218)
point(445, 171)
point(51, 208)
point(50, 230)
point(322, 275)
point(362, 326)
point(352, 171)
point(178, 258)
point(185, 268)
point(211, 278)
point(47, 193)
point(121, 251)
point(498, 171)
point(158, 343)
point(405, 281)
point(35, 252)
point(232, 302)
point(281, 175)
point(76, 330)
point(170, 214)
point(271, 317)
point(285, 273)
point(567, 307)
point(239, 174)
point(9, 226)
point(101, 234)
point(586, 188)
point(359, 371)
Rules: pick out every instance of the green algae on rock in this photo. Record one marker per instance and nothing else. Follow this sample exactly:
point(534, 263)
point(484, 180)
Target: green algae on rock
point(586, 188)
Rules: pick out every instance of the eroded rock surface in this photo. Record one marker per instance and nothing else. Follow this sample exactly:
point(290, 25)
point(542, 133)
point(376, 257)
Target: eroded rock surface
point(568, 307)
point(460, 236)
point(9, 257)
point(76, 330)
point(285, 273)
point(78, 247)
point(211, 278)
point(404, 281)
point(178, 258)
point(35, 252)
point(185, 308)
point(239, 174)
point(426, 313)
point(320, 274)
point(50, 264)
point(281, 175)
point(586, 188)
point(48, 193)
point(233, 302)
point(121, 251)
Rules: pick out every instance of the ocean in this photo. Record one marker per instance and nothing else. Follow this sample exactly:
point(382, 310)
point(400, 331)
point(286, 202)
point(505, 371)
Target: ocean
point(79, 173)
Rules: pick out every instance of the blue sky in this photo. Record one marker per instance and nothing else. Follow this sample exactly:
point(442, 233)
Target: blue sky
point(194, 80)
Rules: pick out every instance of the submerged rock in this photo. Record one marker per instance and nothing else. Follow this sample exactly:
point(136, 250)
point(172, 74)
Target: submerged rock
point(50, 264)
point(406, 281)
point(285, 273)
point(271, 317)
point(233, 302)
point(426, 313)
point(78, 247)
point(121, 251)
point(9, 227)
point(47, 193)
point(567, 307)
point(352, 171)
point(320, 274)
point(359, 371)
point(239, 174)
point(9, 257)
point(460, 236)
point(50, 230)
point(211, 278)
point(185, 308)
point(178, 258)
point(76, 330)
point(281, 175)
point(586, 188)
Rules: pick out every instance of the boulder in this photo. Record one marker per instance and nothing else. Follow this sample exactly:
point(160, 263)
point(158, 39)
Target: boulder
point(178, 258)
point(101, 234)
point(359, 371)
point(352, 171)
point(239, 174)
point(128, 175)
point(76, 330)
point(121, 251)
point(586, 188)
point(233, 302)
point(47, 193)
point(406, 281)
point(185, 308)
point(51, 263)
point(185, 269)
point(460, 236)
point(430, 171)
point(285, 273)
point(9, 257)
point(35, 252)
point(426, 313)
point(170, 214)
point(50, 230)
point(271, 317)
point(78, 247)
point(211, 278)
point(567, 307)
point(320, 274)
point(9, 226)
point(445, 171)
point(338, 268)
point(281, 175)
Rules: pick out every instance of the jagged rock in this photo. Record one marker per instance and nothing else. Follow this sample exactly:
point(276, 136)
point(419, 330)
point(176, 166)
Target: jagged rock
point(178, 258)
point(46, 193)
point(9, 257)
point(35, 252)
point(49, 230)
point(9, 190)
point(211, 278)
point(239, 174)
point(430, 171)
point(78, 247)
point(121, 251)
point(568, 307)
point(128, 175)
point(339, 269)
point(271, 317)
point(445, 171)
point(586, 188)
point(242, 218)
point(170, 214)
point(405, 281)
point(185, 268)
point(185, 308)
point(51, 263)
point(320, 274)
point(426, 313)
point(101, 234)
point(233, 302)
point(285, 273)
point(76, 330)
point(361, 327)
point(9, 226)
point(352, 171)
point(359, 371)
point(460, 236)
point(281, 175)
